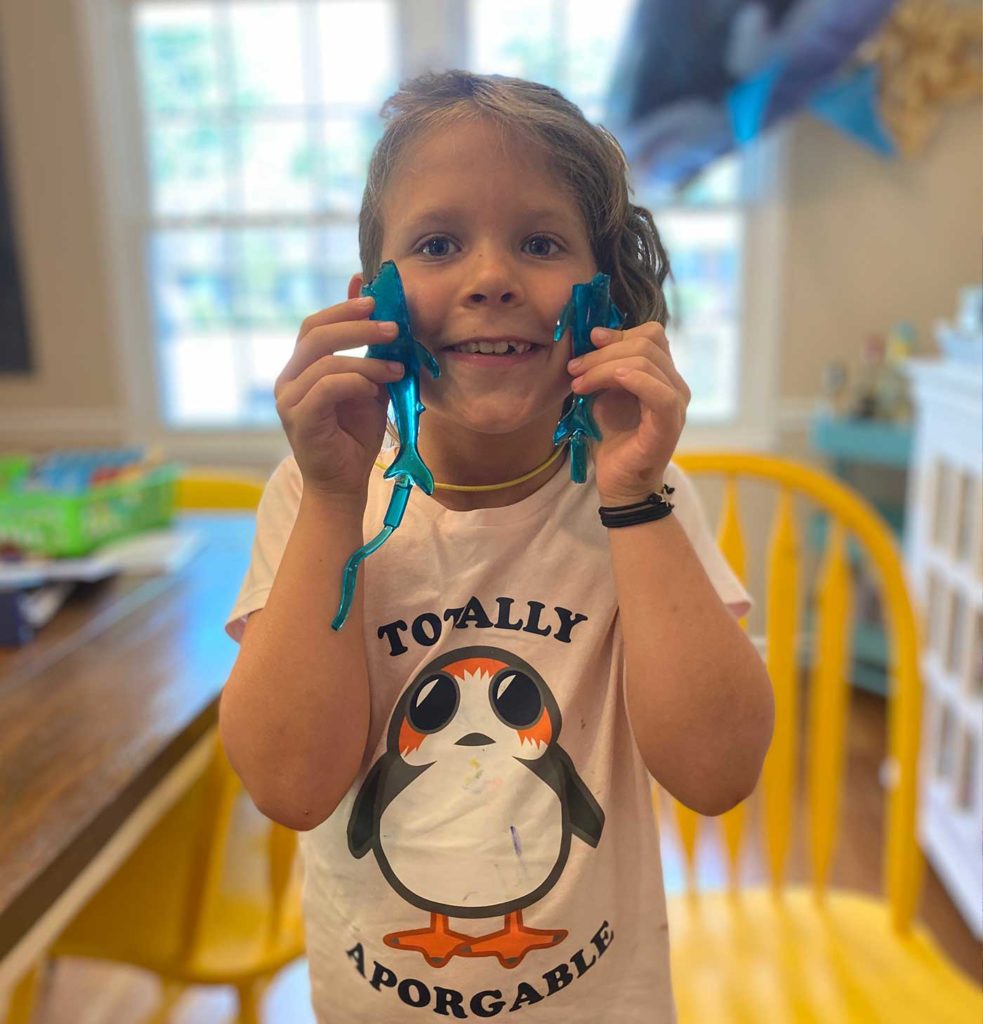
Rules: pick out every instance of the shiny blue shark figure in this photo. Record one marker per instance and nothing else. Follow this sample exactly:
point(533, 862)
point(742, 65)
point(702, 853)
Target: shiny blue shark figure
point(590, 306)
point(404, 396)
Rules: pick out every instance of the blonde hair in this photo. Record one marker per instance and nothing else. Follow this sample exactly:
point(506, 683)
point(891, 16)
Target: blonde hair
point(585, 157)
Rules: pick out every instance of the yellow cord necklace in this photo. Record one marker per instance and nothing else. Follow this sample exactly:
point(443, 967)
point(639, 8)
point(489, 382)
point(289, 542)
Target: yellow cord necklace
point(497, 487)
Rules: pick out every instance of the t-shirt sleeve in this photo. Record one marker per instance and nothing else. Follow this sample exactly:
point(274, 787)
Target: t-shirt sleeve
point(275, 519)
point(692, 518)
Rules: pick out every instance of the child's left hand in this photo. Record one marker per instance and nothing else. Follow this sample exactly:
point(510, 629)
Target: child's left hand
point(640, 412)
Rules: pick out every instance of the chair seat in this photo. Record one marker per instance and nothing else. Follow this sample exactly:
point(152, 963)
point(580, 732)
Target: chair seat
point(750, 957)
point(134, 921)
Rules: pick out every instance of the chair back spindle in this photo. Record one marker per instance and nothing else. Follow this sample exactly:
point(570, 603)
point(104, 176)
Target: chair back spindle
point(851, 522)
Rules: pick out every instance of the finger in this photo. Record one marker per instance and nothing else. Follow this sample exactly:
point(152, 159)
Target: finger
point(637, 341)
point(380, 371)
point(606, 375)
point(657, 395)
point(328, 392)
point(327, 339)
point(351, 309)
point(638, 347)
point(651, 330)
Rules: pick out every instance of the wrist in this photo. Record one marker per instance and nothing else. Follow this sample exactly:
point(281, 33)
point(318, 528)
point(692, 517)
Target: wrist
point(630, 496)
point(333, 505)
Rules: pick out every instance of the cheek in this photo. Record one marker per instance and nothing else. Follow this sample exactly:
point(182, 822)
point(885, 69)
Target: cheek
point(426, 307)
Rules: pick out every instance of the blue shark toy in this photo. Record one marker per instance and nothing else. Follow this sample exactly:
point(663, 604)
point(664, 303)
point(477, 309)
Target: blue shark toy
point(590, 306)
point(404, 396)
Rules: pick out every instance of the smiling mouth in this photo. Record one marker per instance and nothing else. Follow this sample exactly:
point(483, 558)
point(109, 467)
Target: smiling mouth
point(499, 347)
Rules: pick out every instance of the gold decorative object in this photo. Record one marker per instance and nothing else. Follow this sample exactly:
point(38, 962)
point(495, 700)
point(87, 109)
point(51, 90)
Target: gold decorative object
point(929, 53)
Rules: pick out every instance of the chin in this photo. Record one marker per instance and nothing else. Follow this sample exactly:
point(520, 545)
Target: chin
point(508, 416)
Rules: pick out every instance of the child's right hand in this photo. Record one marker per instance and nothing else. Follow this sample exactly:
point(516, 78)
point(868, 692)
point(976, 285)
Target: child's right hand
point(333, 407)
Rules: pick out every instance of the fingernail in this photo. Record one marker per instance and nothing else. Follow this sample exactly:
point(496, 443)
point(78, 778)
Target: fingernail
point(363, 302)
point(394, 367)
point(388, 329)
point(602, 334)
point(574, 365)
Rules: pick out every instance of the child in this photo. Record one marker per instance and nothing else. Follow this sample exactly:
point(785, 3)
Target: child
point(470, 756)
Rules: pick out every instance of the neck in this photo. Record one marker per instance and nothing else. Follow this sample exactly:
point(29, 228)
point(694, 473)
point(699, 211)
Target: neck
point(475, 460)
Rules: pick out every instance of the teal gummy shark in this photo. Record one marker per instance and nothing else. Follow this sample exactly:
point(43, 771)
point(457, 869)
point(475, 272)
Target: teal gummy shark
point(404, 394)
point(590, 306)
point(408, 469)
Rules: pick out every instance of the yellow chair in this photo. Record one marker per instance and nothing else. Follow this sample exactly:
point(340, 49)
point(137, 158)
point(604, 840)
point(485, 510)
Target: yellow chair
point(792, 954)
point(208, 490)
point(210, 896)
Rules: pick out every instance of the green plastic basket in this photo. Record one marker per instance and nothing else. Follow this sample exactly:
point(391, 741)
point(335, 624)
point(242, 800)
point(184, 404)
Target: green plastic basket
point(71, 525)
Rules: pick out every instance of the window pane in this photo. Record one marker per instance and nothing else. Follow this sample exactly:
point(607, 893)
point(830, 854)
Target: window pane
point(594, 32)
point(177, 55)
point(277, 171)
point(276, 281)
point(340, 247)
point(348, 143)
point(264, 354)
point(192, 280)
point(188, 160)
point(704, 301)
point(358, 51)
point(192, 300)
point(267, 60)
point(515, 37)
point(198, 372)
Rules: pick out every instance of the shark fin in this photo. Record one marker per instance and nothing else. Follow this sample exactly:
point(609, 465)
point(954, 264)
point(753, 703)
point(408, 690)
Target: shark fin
point(427, 359)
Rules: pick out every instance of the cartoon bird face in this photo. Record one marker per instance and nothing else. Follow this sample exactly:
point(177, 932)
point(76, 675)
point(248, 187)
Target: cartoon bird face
point(469, 705)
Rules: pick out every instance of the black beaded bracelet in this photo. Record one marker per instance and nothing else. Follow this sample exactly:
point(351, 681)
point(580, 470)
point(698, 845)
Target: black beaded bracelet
point(654, 507)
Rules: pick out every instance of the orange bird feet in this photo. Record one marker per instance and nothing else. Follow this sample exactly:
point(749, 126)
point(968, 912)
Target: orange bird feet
point(512, 943)
point(438, 943)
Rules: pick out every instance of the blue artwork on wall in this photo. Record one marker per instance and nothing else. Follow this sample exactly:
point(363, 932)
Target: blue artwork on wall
point(697, 78)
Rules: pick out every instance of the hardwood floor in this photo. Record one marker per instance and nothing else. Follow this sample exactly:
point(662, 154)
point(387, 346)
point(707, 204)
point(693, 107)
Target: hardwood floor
point(79, 992)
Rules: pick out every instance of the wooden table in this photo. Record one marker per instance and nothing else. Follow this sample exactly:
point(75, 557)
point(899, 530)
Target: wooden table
point(105, 719)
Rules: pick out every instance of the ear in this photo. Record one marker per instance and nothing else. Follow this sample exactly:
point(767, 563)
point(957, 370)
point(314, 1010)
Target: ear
point(355, 286)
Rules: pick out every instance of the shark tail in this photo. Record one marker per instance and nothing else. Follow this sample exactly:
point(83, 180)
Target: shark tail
point(578, 427)
point(410, 466)
point(578, 419)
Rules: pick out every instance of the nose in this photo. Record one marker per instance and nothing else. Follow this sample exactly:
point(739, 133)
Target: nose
point(493, 281)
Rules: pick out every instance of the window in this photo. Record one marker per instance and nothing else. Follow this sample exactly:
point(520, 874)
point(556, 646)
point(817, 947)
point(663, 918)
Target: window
point(257, 118)
point(258, 121)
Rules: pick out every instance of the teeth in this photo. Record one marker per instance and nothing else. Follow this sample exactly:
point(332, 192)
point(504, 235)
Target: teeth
point(497, 348)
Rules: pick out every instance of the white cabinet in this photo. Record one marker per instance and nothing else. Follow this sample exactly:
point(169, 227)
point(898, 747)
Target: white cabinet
point(944, 552)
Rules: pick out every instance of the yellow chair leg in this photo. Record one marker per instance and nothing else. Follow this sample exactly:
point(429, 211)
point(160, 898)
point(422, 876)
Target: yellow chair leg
point(250, 998)
point(20, 1009)
point(171, 992)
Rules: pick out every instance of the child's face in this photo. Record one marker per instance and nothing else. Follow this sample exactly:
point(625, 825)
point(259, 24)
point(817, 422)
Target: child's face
point(488, 244)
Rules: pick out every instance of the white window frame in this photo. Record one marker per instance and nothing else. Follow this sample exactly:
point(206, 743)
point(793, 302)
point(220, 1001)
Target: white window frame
point(432, 33)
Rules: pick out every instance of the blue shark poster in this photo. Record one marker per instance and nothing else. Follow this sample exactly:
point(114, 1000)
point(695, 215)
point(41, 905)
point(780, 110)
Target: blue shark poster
point(697, 78)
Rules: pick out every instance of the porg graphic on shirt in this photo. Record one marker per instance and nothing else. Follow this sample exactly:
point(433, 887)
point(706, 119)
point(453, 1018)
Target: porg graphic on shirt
point(471, 810)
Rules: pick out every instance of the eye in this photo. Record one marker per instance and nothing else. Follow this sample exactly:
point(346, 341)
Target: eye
point(540, 245)
point(437, 246)
point(516, 698)
point(433, 704)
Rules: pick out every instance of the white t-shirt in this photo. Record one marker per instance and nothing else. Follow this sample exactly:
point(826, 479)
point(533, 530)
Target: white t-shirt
point(498, 851)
